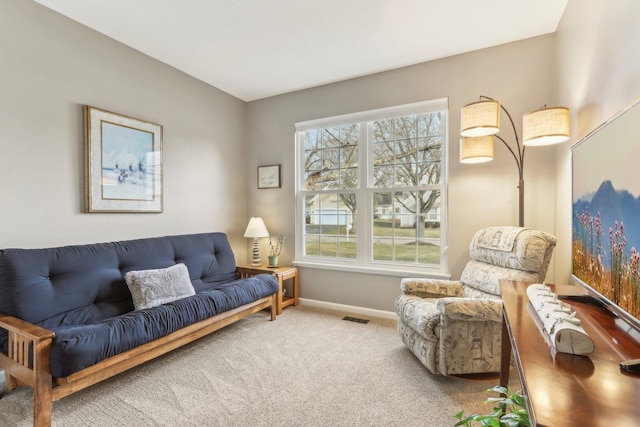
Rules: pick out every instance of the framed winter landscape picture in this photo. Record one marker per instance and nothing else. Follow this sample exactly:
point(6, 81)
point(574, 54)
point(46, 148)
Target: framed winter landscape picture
point(123, 163)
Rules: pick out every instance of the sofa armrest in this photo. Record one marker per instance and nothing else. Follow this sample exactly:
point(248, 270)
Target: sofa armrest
point(431, 288)
point(27, 360)
point(25, 329)
point(470, 309)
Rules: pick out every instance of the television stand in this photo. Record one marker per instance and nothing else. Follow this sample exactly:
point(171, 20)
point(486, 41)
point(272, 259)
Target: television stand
point(564, 389)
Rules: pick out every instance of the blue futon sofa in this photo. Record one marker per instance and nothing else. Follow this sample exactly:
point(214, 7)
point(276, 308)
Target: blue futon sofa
point(75, 315)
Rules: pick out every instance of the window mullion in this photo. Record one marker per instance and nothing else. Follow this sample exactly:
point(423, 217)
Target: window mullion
point(364, 200)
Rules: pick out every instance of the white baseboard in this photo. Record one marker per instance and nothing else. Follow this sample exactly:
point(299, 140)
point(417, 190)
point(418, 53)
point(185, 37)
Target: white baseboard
point(349, 308)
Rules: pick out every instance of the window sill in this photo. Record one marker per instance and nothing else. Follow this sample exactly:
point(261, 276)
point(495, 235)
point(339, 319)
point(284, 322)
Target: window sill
point(396, 271)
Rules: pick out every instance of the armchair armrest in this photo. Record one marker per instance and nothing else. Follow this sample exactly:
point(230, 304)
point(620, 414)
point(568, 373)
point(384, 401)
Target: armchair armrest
point(431, 288)
point(470, 309)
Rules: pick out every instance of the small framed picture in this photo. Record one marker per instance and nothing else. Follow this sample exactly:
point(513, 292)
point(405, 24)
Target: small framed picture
point(269, 176)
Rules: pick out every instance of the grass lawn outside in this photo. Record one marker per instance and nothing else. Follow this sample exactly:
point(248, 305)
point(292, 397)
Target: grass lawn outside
point(389, 243)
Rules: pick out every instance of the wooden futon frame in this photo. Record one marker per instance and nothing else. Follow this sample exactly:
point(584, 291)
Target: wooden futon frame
point(27, 362)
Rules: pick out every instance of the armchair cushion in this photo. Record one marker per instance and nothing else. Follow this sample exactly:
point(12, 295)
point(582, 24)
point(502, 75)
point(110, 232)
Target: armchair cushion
point(506, 252)
point(470, 309)
point(431, 288)
point(513, 247)
point(486, 278)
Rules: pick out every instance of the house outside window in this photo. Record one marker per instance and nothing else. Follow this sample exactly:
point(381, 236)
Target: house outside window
point(371, 190)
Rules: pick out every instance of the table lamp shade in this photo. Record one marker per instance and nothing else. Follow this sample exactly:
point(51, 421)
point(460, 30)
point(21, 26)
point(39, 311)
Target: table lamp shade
point(256, 228)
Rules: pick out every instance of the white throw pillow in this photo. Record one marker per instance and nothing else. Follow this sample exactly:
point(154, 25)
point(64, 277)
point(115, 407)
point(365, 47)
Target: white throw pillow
point(154, 287)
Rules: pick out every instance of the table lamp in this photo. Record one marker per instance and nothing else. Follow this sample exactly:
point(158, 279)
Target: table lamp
point(255, 230)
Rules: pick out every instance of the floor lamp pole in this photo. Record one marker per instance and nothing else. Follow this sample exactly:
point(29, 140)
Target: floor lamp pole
point(521, 203)
point(518, 156)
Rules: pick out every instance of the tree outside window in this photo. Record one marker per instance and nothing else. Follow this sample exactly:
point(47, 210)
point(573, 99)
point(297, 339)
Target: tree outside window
point(371, 190)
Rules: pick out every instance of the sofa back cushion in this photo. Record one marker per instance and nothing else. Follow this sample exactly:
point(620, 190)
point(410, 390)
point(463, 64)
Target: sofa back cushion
point(85, 283)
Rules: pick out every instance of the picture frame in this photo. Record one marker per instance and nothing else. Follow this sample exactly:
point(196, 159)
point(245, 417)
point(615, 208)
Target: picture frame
point(123, 163)
point(269, 176)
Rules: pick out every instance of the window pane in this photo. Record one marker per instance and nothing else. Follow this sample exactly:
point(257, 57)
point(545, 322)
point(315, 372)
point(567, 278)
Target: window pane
point(384, 130)
point(413, 144)
point(329, 221)
point(348, 156)
point(349, 178)
point(406, 227)
point(406, 127)
point(328, 246)
point(349, 135)
point(429, 173)
point(331, 158)
point(429, 149)
point(312, 139)
point(382, 250)
point(383, 153)
point(383, 176)
point(331, 137)
point(314, 160)
point(406, 175)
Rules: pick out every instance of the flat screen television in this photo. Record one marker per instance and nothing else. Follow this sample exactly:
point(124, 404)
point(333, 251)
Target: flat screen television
point(606, 213)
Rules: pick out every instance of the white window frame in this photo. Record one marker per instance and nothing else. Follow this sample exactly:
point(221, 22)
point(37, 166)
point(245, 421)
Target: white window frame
point(363, 262)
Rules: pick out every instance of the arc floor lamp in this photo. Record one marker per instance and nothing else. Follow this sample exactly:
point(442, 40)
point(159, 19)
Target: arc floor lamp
point(480, 123)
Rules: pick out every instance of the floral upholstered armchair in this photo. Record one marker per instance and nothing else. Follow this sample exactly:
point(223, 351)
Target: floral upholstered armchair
point(454, 327)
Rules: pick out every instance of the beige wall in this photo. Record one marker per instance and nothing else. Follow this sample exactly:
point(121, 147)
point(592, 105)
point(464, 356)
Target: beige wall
point(520, 75)
point(51, 67)
point(598, 48)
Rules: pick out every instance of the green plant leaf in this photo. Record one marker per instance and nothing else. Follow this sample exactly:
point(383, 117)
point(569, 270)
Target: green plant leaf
point(499, 389)
point(510, 412)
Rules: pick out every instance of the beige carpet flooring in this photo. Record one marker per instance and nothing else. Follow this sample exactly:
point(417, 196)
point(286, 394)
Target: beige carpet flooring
point(308, 368)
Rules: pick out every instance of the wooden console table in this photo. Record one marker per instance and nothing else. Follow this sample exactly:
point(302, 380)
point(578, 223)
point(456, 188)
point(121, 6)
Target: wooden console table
point(564, 389)
point(282, 274)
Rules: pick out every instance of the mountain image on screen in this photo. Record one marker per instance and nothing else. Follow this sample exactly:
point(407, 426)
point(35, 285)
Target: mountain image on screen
point(606, 239)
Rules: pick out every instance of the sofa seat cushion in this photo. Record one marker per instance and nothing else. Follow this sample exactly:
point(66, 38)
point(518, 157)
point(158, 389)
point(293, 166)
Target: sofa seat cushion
point(77, 347)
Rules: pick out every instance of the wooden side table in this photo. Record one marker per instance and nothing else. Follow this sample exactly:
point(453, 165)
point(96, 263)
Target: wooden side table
point(281, 273)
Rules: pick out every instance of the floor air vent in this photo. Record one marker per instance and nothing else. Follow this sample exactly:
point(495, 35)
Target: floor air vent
point(355, 319)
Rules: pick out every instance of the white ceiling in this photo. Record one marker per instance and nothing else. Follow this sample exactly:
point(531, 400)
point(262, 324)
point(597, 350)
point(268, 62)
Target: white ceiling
point(254, 49)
